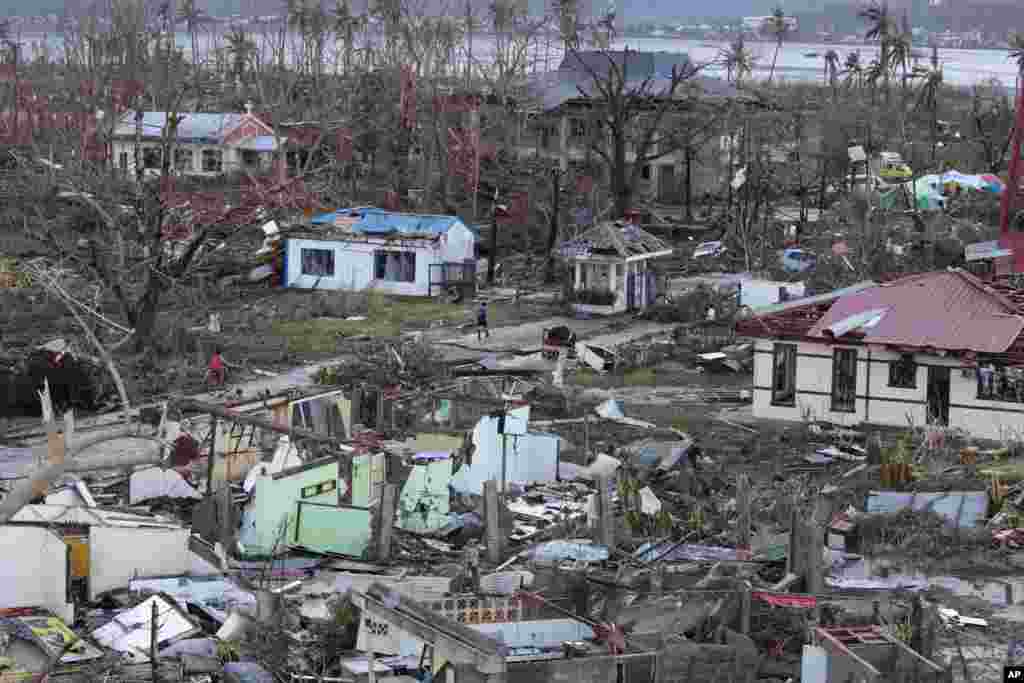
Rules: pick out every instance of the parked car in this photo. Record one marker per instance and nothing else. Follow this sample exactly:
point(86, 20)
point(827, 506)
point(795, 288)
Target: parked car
point(798, 260)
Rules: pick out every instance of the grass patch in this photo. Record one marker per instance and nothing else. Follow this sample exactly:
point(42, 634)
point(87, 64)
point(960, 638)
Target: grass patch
point(385, 317)
point(585, 377)
point(639, 377)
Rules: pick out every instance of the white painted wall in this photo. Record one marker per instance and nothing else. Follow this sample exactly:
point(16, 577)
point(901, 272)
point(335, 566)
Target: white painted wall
point(119, 554)
point(231, 157)
point(35, 570)
point(354, 261)
point(887, 405)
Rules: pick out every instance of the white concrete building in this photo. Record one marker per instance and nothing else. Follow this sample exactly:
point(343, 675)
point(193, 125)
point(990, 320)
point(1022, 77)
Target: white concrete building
point(206, 144)
point(395, 253)
point(939, 347)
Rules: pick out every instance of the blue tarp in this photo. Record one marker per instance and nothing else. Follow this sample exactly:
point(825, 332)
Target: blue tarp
point(372, 221)
point(558, 551)
point(964, 509)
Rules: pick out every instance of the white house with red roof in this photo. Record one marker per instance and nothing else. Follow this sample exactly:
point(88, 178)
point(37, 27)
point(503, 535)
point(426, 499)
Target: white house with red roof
point(205, 144)
point(941, 347)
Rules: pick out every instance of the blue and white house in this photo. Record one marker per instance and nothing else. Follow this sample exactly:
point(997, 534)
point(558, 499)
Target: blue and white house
point(396, 253)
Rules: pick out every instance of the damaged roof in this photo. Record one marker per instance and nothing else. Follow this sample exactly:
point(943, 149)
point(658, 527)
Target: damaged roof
point(948, 310)
point(373, 221)
point(198, 127)
point(623, 240)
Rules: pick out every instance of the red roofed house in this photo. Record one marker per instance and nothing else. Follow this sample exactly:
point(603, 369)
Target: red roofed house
point(941, 347)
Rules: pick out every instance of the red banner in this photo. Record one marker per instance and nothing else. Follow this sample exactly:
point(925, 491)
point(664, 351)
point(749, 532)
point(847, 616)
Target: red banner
point(304, 136)
point(517, 212)
point(463, 156)
point(407, 99)
point(783, 600)
point(343, 145)
point(457, 103)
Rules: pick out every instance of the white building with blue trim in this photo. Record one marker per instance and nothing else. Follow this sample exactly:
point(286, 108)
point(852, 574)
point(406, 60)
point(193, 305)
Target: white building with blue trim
point(395, 253)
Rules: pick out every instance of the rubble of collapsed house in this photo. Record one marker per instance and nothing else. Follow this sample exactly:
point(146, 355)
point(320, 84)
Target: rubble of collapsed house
point(477, 530)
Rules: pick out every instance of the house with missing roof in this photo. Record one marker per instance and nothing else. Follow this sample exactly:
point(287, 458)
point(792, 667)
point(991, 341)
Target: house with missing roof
point(396, 253)
point(206, 144)
point(563, 126)
point(940, 347)
point(611, 267)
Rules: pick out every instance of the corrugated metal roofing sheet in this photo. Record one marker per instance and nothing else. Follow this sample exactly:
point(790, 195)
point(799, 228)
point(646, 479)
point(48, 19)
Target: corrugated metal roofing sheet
point(194, 126)
point(949, 310)
point(372, 221)
point(965, 509)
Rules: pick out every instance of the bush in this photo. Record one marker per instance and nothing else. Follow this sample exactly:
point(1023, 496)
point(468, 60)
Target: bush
point(593, 297)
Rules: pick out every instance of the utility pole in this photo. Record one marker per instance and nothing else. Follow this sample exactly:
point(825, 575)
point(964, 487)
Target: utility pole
point(556, 200)
point(154, 639)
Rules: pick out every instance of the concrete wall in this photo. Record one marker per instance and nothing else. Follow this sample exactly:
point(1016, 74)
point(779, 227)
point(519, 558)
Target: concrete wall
point(231, 158)
point(877, 402)
point(118, 554)
point(274, 503)
point(354, 261)
point(35, 570)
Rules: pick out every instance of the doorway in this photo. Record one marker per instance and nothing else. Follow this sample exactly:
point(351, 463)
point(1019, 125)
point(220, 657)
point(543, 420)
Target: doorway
point(938, 395)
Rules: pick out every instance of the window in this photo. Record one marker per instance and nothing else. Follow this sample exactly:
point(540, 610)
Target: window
point(903, 372)
point(395, 266)
point(645, 172)
point(213, 161)
point(151, 157)
point(784, 375)
point(122, 161)
point(250, 158)
point(844, 380)
point(1000, 383)
point(318, 262)
point(183, 159)
point(577, 128)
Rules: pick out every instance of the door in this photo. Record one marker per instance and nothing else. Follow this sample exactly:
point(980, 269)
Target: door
point(630, 290)
point(938, 395)
point(667, 184)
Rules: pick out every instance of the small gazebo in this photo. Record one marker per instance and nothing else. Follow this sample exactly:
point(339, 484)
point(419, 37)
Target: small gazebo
point(611, 270)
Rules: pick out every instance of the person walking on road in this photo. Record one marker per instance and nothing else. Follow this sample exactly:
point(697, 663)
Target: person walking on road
point(481, 323)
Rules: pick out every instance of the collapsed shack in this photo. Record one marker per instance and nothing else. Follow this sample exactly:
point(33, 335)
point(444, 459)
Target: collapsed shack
point(76, 382)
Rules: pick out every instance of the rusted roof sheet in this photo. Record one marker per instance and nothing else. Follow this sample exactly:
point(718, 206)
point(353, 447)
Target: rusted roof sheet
point(949, 310)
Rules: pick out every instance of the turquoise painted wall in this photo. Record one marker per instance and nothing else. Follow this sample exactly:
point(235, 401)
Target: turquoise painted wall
point(345, 531)
point(274, 501)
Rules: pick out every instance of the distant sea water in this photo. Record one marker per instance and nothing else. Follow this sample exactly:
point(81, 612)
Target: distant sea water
point(803, 62)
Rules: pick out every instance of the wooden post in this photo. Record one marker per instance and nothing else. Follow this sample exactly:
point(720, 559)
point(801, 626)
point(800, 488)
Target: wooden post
point(386, 521)
point(492, 521)
point(224, 508)
point(745, 608)
point(815, 575)
point(213, 454)
point(605, 514)
point(380, 411)
point(154, 638)
point(743, 509)
point(792, 558)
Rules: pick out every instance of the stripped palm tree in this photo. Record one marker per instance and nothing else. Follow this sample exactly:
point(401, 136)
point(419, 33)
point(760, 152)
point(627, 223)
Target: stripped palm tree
point(853, 69)
point(882, 29)
point(928, 99)
point(778, 27)
point(737, 60)
point(831, 68)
